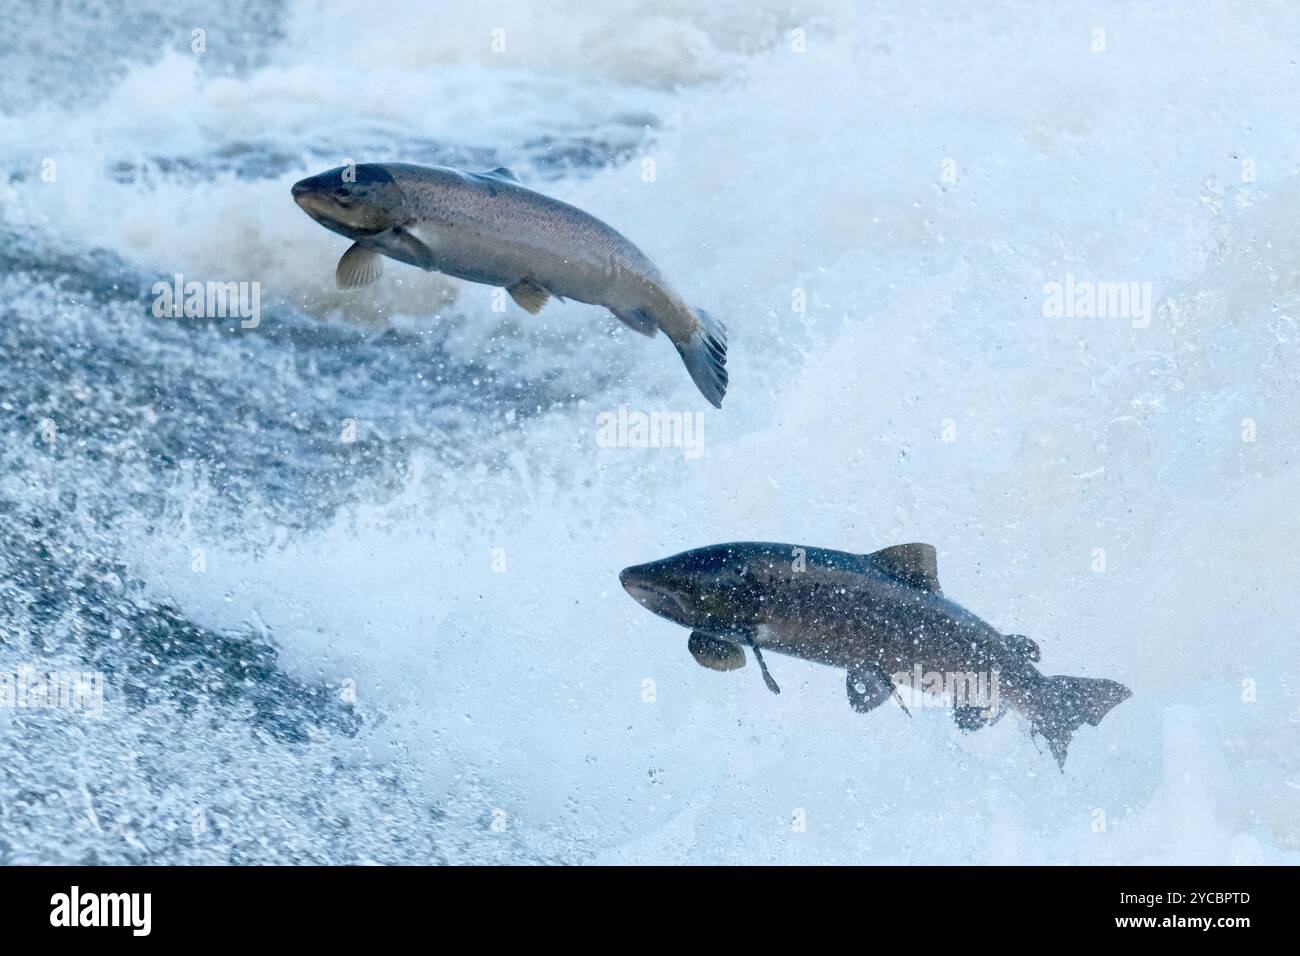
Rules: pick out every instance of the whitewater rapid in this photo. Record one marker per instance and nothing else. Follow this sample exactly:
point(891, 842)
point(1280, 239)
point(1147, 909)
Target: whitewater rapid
point(413, 647)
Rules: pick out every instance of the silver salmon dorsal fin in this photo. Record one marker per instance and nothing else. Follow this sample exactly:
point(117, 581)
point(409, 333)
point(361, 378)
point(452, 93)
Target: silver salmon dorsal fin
point(916, 565)
point(502, 173)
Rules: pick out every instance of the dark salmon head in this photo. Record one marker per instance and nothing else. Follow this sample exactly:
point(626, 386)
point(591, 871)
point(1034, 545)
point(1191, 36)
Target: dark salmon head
point(717, 589)
point(356, 201)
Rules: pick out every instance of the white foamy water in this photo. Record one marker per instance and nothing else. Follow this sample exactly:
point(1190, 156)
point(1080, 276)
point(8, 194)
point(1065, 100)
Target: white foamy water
point(915, 179)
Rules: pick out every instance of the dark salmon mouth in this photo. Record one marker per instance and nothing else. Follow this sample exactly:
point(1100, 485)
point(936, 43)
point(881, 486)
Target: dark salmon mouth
point(651, 596)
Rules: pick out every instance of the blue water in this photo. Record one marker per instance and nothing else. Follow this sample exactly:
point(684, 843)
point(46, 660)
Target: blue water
point(412, 647)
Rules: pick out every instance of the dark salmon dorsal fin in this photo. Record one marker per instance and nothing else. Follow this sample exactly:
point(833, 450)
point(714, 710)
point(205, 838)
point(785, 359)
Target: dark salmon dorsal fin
point(916, 565)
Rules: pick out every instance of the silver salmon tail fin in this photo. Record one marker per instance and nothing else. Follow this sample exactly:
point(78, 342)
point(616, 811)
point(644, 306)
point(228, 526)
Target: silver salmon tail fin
point(1058, 706)
point(705, 355)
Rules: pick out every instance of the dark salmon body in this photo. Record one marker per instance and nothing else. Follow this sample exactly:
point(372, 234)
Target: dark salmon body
point(879, 616)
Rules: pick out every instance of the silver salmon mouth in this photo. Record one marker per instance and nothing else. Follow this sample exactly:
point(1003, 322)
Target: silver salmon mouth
point(325, 211)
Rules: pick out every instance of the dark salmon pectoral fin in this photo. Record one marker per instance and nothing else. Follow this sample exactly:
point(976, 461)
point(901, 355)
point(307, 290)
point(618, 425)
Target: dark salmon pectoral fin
point(767, 675)
point(715, 653)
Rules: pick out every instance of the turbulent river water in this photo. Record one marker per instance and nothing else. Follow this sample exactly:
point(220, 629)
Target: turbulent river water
point(350, 576)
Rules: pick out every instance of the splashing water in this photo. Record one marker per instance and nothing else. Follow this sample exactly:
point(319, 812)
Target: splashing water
point(351, 575)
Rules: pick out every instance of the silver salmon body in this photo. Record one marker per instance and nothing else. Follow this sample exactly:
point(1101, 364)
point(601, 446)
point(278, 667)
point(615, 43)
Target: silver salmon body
point(489, 228)
point(881, 617)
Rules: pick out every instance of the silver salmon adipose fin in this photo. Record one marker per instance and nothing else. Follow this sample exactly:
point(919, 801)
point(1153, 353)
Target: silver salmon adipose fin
point(638, 321)
point(359, 267)
point(529, 295)
point(715, 653)
point(916, 565)
point(705, 355)
point(502, 173)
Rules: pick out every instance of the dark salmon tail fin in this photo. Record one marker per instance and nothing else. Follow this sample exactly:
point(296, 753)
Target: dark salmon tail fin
point(1058, 706)
point(705, 355)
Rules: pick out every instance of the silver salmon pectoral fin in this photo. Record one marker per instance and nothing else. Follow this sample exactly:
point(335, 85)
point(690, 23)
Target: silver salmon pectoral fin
point(405, 246)
point(360, 266)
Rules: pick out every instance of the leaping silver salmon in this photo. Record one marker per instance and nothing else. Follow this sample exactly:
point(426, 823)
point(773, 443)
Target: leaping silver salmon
point(489, 228)
point(879, 616)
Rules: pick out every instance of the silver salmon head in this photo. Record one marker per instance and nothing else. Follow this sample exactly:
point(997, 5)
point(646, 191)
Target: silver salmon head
point(719, 589)
point(355, 201)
